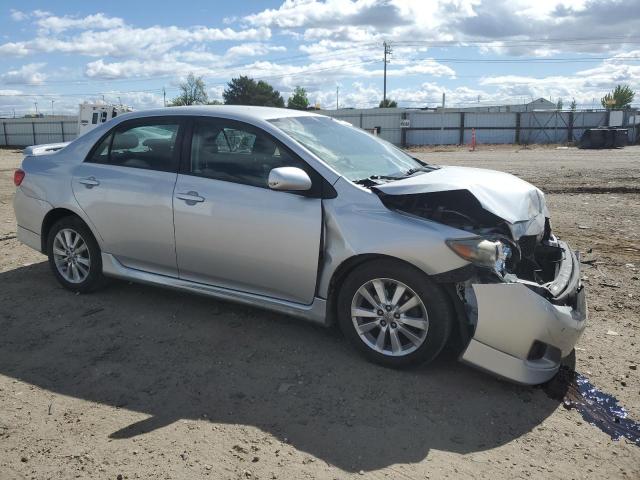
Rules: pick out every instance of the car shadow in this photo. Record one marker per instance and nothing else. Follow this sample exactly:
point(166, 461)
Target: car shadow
point(177, 356)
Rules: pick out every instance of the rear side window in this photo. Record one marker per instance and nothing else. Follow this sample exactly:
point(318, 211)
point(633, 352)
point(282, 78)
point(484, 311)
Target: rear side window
point(150, 146)
point(233, 152)
point(101, 152)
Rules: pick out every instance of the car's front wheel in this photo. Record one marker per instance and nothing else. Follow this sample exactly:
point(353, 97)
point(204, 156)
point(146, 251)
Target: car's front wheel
point(394, 314)
point(74, 255)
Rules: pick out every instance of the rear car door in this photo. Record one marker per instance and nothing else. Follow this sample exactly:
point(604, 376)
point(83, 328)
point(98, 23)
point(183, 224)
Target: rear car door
point(125, 186)
point(232, 231)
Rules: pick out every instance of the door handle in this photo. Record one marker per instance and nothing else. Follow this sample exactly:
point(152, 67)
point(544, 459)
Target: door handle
point(190, 197)
point(89, 182)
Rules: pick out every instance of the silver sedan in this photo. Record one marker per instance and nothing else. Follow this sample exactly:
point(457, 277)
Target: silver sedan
point(312, 217)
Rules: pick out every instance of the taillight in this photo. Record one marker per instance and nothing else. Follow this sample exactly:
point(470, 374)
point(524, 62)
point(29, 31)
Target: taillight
point(18, 177)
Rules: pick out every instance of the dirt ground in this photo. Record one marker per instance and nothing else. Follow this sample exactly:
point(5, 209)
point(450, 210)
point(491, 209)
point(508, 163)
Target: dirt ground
point(140, 382)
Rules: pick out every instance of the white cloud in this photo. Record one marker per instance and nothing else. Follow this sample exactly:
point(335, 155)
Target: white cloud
point(584, 85)
point(138, 68)
point(298, 13)
point(253, 49)
point(98, 21)
point(13, 49)
point(27, 74)
point(501, 22)
point(340, 41)
point(17, 15)
point(324, 46)
point(99, 35)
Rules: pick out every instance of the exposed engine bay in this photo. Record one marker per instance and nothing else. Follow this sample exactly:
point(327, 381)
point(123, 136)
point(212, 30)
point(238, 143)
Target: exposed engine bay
point(534, 259)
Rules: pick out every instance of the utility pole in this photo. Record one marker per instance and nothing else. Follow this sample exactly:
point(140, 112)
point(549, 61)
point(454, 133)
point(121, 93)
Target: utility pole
point(442, 121)
point(337, 95)
point(36, 105)
point(52, 107)
point(164, 96)
point(387, 51)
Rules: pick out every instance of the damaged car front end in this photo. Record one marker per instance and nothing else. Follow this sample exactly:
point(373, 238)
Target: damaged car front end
point(523, 305)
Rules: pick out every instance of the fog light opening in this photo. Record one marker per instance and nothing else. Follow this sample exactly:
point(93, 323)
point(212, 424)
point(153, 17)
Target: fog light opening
point(540, 350)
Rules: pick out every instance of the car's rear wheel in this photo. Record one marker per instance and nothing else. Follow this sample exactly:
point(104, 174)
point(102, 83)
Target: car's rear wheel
point(74, 255)
point(394, 314)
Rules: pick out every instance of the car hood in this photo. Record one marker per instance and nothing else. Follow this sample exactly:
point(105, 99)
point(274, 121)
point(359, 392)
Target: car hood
point(517, 202)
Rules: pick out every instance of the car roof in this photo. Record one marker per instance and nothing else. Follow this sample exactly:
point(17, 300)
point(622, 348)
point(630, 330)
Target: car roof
point(237, 112)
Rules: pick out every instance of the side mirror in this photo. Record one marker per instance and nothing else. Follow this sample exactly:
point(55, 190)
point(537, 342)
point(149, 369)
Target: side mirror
point(291, 179)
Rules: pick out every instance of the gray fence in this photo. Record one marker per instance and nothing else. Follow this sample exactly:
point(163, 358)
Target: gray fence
point(21, 132)
point(422, 127)
point(455, 128)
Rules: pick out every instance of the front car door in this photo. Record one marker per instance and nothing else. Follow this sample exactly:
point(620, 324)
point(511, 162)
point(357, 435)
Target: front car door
point(231, 230)
point(125, 186)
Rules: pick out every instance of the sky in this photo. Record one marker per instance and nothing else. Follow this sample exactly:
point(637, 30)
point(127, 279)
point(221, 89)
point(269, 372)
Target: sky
point(57, 54)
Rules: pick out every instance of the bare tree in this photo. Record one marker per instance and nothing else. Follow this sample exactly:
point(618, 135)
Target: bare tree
point(193, 92)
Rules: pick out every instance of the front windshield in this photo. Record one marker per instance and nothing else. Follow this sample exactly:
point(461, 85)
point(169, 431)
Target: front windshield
point(352, 152)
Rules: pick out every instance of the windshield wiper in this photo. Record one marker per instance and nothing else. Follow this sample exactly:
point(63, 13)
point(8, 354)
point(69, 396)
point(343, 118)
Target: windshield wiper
point(371, 180)
point(424, 168)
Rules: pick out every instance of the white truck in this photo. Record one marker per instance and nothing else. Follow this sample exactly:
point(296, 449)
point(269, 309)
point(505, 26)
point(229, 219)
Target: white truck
point(90, 115)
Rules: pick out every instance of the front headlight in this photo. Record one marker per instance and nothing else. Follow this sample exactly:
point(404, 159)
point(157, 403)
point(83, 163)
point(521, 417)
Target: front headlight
point(482, 252)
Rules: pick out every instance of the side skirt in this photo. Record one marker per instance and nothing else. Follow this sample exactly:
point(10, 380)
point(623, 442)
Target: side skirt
point(316, 312)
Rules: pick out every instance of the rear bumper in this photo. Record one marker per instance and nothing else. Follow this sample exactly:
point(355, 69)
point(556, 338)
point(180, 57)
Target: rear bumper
point(522, 335)
point(29, 238)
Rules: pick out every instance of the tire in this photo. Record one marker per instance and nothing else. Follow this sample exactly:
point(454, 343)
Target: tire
point(424, 340)
point(78, 268)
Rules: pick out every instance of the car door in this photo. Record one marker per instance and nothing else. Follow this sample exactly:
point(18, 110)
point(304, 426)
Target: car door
point(125, 186)
point(232, 231)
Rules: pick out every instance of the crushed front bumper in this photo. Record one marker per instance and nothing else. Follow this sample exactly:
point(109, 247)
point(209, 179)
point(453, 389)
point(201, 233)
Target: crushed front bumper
point(522, 334)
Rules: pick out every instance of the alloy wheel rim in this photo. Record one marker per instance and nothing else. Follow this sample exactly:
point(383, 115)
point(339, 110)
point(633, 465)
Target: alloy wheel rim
point(71, 256)
point(389, 317)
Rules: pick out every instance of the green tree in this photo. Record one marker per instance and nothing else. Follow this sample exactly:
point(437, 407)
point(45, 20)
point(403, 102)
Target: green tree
point(246, 91)
point(193, 92)
point(560, 104)
point(298, 100)
point(621, 97)
point(573, 105)
point(388, 103)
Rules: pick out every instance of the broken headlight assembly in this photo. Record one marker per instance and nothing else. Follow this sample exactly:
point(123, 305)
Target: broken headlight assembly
point(483, 252)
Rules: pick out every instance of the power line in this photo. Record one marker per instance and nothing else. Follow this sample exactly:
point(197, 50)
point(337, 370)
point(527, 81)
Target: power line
point(527, 60)
point(608, 40)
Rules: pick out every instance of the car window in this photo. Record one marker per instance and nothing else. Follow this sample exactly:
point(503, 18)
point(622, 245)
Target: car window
point(236, 153)
point(351, 151)
point(149, 146)
point(101, 152)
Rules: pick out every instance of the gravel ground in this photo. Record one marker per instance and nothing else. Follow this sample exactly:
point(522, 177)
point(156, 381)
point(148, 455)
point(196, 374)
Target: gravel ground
point(141, 382)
